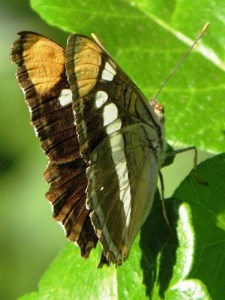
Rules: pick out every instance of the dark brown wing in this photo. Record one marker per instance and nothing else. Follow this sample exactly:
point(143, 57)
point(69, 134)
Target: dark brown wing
point(42, 77)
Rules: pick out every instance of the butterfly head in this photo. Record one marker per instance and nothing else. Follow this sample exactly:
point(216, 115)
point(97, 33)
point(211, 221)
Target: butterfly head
point(158, 109)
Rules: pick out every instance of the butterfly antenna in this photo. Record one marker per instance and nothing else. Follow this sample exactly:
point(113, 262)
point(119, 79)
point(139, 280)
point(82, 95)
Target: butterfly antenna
point(97, 40)
point(201, 33)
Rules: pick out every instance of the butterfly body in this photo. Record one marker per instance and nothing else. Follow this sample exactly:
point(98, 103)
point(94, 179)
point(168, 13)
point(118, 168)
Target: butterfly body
point(103, 140)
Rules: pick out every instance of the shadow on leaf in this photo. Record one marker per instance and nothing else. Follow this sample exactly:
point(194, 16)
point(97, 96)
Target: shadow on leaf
point(196, 214)
point(159, 244)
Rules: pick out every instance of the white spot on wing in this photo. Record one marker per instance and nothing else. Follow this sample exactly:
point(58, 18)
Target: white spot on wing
point(119, 158)
point(110, 113)
point(108, 72)
point(109, 68)
point(23, 89)
point(36, 131)
point(121, 169)
point(100, 98)
point(114, 126)
point(117, 142)
point(65, 97)
point(63, 227)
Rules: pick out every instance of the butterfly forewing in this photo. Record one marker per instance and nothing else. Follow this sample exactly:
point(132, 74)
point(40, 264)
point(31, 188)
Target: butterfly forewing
point(41, 74)
point(120, 139)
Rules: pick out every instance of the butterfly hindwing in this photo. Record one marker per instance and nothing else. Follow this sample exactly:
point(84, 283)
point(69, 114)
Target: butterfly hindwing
point(41, 74)
point(120, 138)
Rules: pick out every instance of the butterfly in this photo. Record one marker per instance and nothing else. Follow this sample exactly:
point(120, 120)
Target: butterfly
point(104, 141)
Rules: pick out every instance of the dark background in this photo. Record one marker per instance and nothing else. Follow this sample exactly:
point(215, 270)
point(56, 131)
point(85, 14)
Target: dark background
point(30, 238)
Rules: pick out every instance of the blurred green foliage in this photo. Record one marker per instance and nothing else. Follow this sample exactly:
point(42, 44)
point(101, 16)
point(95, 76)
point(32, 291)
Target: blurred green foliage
point(26, 220)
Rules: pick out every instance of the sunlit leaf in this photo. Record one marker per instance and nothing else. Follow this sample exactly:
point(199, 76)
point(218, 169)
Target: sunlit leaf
point(147, 38)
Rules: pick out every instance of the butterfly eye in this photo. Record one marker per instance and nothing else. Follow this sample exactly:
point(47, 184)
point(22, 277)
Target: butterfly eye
point(158, 109)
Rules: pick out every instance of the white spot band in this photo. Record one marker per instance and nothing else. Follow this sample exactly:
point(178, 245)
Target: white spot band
point(119, 158)
point(108, 72)
point(100, 98)
point(65, 97)
point(110, 113)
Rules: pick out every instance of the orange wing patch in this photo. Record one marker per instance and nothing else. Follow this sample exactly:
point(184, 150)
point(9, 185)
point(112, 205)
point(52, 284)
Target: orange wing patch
point(42, 59)
point(84, 58)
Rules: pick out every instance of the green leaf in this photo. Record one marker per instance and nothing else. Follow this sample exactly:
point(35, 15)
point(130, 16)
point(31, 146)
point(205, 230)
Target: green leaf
point(71, 277)
point(208, 220)
point(147, 38)
point(184, 261)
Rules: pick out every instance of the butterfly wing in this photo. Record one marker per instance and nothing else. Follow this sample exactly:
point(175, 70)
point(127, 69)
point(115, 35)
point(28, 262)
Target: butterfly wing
point(41, 75)
point(121, 140)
